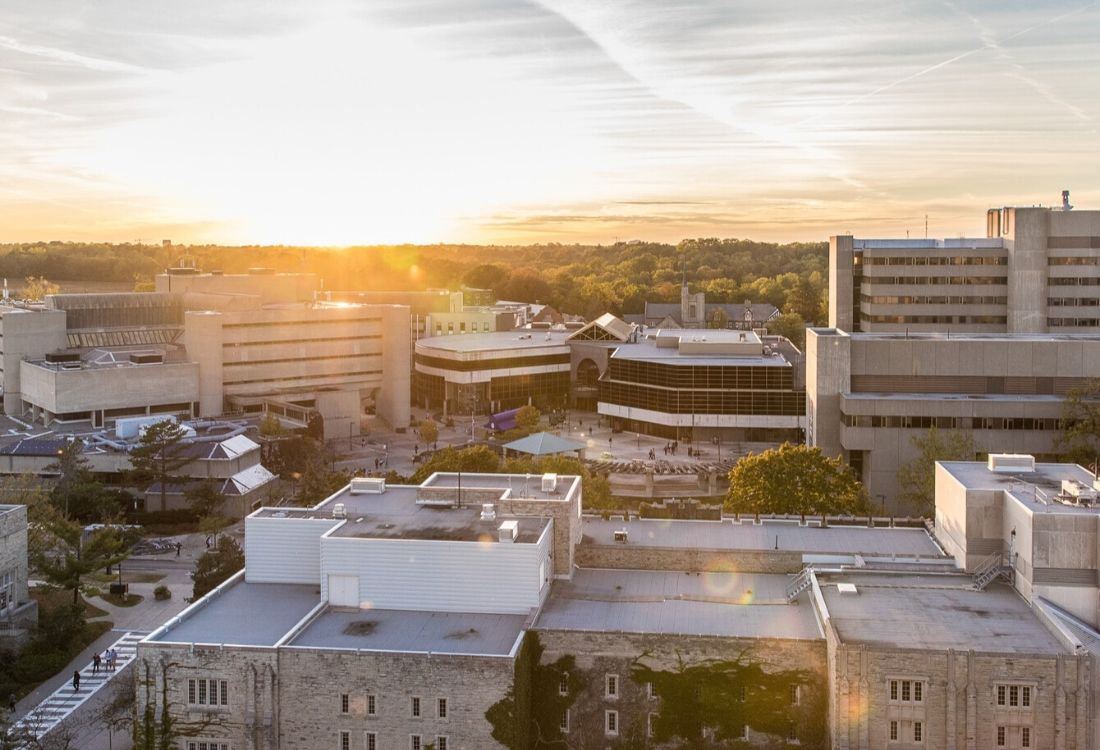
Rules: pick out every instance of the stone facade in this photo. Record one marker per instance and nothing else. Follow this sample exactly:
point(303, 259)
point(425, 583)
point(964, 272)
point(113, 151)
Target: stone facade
point(725, 682)
point(17, 612)
point(293, 698)
point(635, 557)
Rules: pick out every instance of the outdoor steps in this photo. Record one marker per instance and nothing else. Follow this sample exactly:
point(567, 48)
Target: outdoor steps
point(63, 701)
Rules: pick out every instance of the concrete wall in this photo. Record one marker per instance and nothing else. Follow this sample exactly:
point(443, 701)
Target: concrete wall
point(60, 391)
point(394, 394)
point(841, 256)
point(1027, 270)
point(26, 334)
point(279, 288)
point(828, 374)
point(202, 337)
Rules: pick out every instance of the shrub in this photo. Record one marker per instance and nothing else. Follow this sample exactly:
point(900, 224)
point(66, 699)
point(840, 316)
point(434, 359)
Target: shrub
point(162, 592)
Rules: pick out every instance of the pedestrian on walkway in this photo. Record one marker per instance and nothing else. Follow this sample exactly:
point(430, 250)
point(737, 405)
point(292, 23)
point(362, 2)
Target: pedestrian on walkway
point(76, 680)
point(179, 546)
point(11, 703)
point(95, 663)
point(111, 659)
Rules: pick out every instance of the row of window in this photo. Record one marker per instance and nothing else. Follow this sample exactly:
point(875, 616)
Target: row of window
point(416, 706)
point(207, 692)
point(313, 377)
point(370, 741)
point(497, 363)
point(1009, 736)
point(1073, 243)
point(1073, 281)
point(773, 403)
point(612, 726)
point(986, 320)
point(461, 327)
point(947, 280)
point(1073, 301)
point(951, 423)
point(310, 359)
point(925, 260)
point(310, 323)
point(1075, 260)
point(893, 299)
point(299, 340)
point(1073, 322)
point(901, 731)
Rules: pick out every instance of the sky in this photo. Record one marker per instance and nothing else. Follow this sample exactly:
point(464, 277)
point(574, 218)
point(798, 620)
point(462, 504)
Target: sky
point(516, 121)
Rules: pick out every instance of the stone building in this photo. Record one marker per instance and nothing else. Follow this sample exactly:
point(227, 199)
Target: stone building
point(481, 611)
point(18, 612)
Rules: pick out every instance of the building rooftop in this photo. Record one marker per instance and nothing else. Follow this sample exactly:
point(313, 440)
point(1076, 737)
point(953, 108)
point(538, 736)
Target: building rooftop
point(1040, 491)
point(769, 535)
point(500, 341)
point(405, 630)
point(958, 336)
point(934, 612)
point(736, 605)
point(958, 243)
point(242, 614)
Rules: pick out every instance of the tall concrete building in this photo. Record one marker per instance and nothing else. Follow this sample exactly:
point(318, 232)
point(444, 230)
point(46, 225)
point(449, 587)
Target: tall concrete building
point(1036, 271)
point(868, 395)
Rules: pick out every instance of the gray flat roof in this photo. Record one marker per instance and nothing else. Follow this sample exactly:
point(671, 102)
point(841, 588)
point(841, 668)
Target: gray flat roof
point(395, 514)
point(500, 341)
point(245, 614)
point(647, 350)
point(405, 630)
point(769, 535)
point(1036, 490)
point(734, 605)
point(519, 485)
point(962, 336)
point(934, 612)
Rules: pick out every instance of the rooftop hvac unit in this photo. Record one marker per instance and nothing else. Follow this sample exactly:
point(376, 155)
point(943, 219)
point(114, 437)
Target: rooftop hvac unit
point(619, 535)
point(549, 482)
point(339, 510)
point(1082, 493)
point(488, 512)
point(1011, 463)
point(508, 531)
point(368, 486)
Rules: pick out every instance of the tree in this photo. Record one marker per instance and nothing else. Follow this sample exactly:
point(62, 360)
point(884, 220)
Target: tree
point(917, 478)
point(38, 287)
point(1080, 424)
point(527, 419)
point(794, 479)
point(596, 490)
point(318, 481)
point(157, 722)
point(204, 498)
point(478, 459)
point(429, 431)
point(216, 566)
point(270, 426)
point(790, 326)
point(72, 471)
point(159, 455)
point(63, 553)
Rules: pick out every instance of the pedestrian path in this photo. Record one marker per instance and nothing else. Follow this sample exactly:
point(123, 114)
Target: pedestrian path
point(63, 701)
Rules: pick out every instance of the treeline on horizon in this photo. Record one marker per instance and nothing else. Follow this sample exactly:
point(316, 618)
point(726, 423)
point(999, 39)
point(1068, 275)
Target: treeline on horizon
point(586, 280)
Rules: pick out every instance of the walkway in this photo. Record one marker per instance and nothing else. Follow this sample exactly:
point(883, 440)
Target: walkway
point(63, 701)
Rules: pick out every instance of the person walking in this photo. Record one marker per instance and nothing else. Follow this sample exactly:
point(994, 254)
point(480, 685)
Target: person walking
point(76, 680)
point(11, 703)
point(95, 663)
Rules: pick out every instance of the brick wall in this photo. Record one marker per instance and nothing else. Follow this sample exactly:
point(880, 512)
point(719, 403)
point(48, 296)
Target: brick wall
point(636, 557)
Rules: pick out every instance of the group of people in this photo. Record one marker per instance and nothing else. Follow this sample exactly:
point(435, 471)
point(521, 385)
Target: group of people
point(107, 662)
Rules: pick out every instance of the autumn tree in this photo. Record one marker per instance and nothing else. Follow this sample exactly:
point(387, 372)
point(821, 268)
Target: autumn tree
point(477, 459)
point(217, 565)
point(796, 480)
point(429, 431)
point(270, 426)
point(38, 287)
point(1079, 439)
point(917, 478)
point(527, 419)
point(791, 326)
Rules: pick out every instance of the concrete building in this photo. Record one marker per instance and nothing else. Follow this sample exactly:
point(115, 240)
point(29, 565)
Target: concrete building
point(869, 394)
point(18, 612)
point(1036, 271)
point(475, 609)
point(206, 345)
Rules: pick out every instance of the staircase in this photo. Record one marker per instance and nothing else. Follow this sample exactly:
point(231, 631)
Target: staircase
point(800, 583)
point(63, 701)
point(990, 569)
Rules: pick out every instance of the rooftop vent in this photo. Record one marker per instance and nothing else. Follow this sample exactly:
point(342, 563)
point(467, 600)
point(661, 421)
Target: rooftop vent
point(620, 536)
point(368, 486)
point(549, 482)
point(847, 588)
point(488, 512)
point(1078, 492)
point(508, 531)
point(339, 510)
point(1011, 463)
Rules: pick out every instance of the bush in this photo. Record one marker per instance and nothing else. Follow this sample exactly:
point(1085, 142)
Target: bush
point(162, 592)
point(164, 517)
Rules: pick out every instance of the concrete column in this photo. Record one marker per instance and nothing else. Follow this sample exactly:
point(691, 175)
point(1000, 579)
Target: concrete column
point(202, 337)
point(971, 704)
point(828, 375)
point(1060, 705)
point(1081, 716)
point(1027, 270)
point(864, 702)
point(950, 718)
point(841, 256)
point(840, 740)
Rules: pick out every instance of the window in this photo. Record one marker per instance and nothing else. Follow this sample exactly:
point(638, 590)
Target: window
point(1000, 736)
point(441, 742)
point(563, 725)
point(207, 692)
point(649, 691)
point(918, 731)
point(344, 707)
point(794, 695)
point(563, 685)
point(372, 706)
point(1014, 696)
point(1025, 696)
point(792, 733)
point(416, 708)
point(906, 691)
point(611, 686)
point(345, 740)
point(649, 724)
point(611, 723)
point(1025, 736)
point(372, 741)
point(893, 730)
point(414, 742)
point(441, 708)
point(207, 745)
